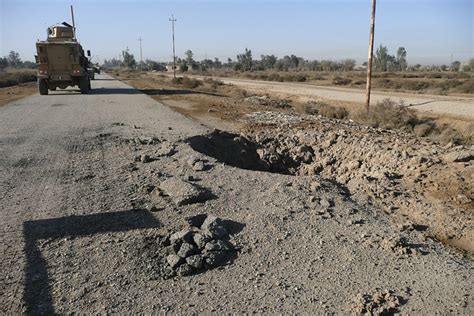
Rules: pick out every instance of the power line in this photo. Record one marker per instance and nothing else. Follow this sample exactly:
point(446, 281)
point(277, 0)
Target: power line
point(172, 20)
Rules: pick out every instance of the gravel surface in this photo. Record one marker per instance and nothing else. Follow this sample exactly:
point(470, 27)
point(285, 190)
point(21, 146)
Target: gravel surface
point(88, 213)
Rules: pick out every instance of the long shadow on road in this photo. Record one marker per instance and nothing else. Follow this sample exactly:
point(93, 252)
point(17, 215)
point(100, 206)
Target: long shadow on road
point(37, 291)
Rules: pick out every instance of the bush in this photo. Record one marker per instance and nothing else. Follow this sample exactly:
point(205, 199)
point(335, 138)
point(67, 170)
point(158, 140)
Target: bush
point(324, 109)
point(8, 79)
point(339, 81)
point(186, 82)
point(423, 129)
point(390, 115)
point(466, 87)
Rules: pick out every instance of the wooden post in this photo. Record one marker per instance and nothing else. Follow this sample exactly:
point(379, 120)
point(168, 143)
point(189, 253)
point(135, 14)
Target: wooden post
point(371, 54)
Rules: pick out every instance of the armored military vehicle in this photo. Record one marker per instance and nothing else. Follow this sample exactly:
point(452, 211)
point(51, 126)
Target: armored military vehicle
point(61, 60)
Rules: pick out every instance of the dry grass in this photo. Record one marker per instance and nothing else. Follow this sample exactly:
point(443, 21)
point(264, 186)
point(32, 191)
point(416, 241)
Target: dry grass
point(323, 109)
point(391, 115)
point(14, 77)
point(420, 82)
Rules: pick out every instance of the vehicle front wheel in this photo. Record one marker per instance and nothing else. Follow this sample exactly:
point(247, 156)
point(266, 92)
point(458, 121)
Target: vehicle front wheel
point(42, 86)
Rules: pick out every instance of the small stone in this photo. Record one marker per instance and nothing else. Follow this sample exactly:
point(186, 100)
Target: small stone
point(196, 220)
point(200, 240)
point(183, 235)
point(215, 258)
point(145, 158)
point(184, 270)
point(217, 245)
point(326, 203)
point(195, 261)
point(213, 227)
point(459, 156)
point(199, 166)
point(183, 192)
point(174, 260)
point(186, 250)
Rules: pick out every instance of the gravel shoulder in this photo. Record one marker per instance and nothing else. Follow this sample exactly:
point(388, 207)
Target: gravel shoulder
point(86, 200)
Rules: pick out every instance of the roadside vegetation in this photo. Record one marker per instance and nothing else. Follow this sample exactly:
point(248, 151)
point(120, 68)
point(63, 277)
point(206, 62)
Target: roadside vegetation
point(391, 72)
point(14, 71)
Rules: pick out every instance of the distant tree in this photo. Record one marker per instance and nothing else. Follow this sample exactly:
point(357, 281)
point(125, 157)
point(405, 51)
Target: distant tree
point(381, 58)
point(217, 63)
point(14, 59)
point(3, 63)
point(443, 67)
point(456, 65)
point(348, 64)
point(128, 59)
point(402, 58)
point(154, 65)
point(268, 61)
point(183, 65)
point(244, 61)
point(111, 63)
point(314, 65)
point(28, 64)
point(326, 65)
point(466, 68)
point(471, 63)
point(280, 65)
point(189, 56)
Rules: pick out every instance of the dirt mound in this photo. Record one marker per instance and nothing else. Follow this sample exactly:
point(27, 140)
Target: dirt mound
point(403, 175)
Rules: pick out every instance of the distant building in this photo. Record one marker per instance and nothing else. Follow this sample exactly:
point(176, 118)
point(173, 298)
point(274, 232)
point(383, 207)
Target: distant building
point(169, 68)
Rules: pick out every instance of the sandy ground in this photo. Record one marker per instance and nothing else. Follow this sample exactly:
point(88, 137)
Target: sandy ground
point(453, 105)
point(10, 94)
point(83, 219)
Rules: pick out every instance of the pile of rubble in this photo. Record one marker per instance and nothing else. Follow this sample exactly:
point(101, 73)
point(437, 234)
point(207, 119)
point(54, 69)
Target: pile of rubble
point(201, 246)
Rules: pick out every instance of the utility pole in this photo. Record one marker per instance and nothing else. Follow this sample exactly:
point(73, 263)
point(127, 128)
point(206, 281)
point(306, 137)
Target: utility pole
point(371, 54)
point(141, 56)
point(172, 20)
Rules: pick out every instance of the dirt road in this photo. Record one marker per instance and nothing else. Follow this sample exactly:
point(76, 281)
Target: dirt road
point(454, 105)
point(86, 205)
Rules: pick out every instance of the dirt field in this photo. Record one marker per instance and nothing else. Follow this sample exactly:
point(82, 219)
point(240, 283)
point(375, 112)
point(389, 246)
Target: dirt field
point(460, 105)
point(103, 196)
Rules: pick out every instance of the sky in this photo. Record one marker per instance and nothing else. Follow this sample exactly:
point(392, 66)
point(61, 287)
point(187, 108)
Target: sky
point(431, 30)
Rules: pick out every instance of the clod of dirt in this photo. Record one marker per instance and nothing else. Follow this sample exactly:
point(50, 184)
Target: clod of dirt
point(462, 156)
point(380, 303)
point(183, 192)
point(198, 164)
point(201, 246)
point(397, 244)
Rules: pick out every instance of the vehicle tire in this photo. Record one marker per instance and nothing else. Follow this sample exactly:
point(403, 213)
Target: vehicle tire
point(42, 87)
point(84, 85)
